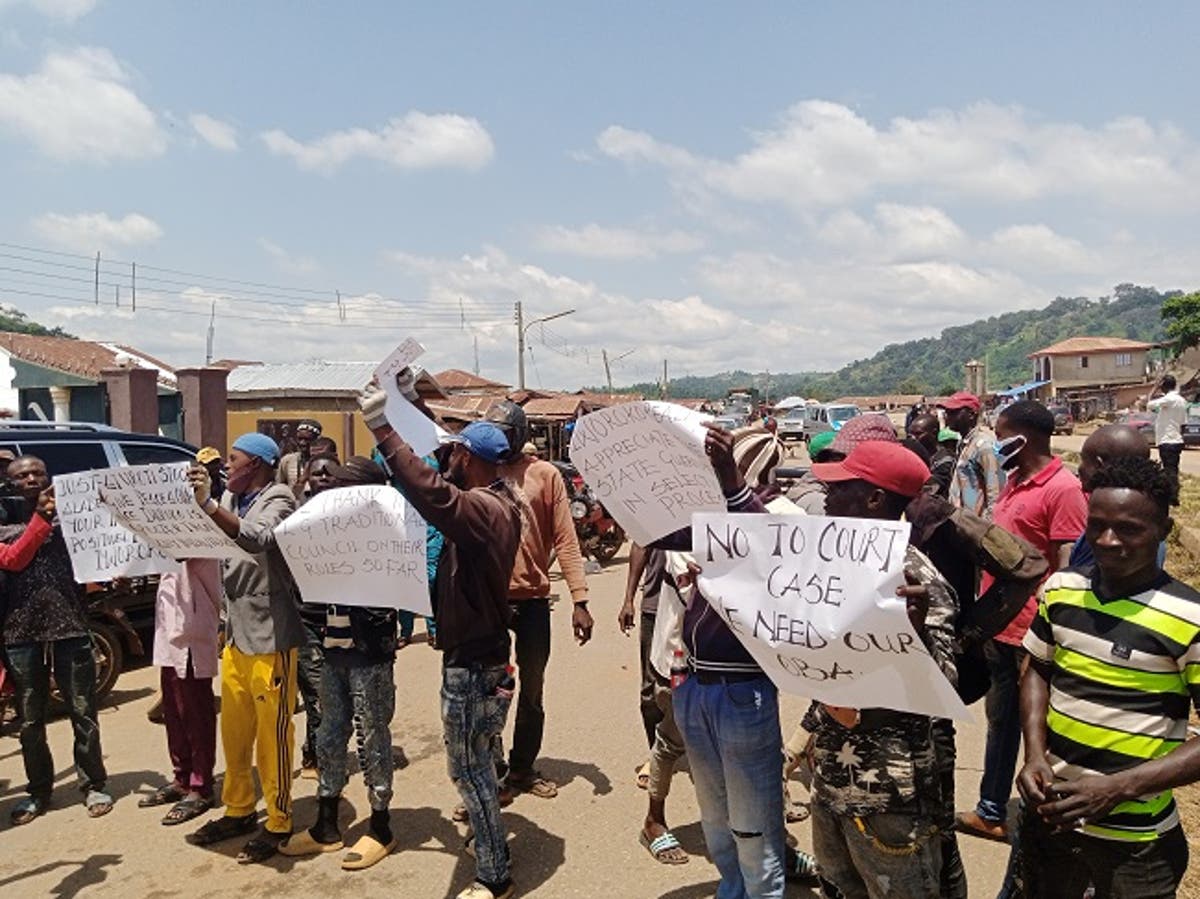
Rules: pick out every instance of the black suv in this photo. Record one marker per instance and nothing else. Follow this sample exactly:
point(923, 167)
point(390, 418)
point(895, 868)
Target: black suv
point(68, 447)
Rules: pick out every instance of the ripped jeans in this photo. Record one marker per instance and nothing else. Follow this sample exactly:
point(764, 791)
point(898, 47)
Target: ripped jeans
point(735, 748)
point(473, 715)
point(360, 700)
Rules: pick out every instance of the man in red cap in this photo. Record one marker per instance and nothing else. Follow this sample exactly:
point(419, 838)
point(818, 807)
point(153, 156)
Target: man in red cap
point(875, 820)
point(978, 477)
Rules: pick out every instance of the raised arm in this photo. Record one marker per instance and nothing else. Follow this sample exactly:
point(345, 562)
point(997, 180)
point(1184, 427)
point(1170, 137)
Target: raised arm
point(17, 555)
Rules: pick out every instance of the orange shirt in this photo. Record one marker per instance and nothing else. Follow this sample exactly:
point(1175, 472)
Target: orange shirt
point(547, 526)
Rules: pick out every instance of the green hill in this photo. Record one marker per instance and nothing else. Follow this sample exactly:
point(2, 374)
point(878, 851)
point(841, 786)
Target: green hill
point(934, 365)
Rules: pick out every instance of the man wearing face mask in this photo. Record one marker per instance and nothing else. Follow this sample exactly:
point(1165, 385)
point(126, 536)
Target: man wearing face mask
point(263, 634)
point(1042, 502)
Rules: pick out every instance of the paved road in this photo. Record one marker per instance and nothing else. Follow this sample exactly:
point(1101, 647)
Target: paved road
point(582, 844)
point(1189, 462)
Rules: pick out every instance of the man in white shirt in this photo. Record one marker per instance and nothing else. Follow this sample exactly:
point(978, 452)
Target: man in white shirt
point(1172, 412)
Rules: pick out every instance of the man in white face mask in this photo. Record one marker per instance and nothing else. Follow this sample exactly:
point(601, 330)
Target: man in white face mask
point(1043, 502)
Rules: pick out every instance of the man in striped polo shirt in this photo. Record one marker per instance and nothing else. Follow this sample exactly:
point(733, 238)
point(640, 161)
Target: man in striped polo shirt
point(1115, 659)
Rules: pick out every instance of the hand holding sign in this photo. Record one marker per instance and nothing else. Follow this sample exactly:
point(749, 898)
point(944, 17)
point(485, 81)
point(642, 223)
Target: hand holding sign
point(822, 605)
point(647, 463)
point(418, 431)
point(358, 546)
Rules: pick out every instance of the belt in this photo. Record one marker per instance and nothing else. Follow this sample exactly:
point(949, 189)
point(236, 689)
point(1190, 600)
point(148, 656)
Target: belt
point(740, 677)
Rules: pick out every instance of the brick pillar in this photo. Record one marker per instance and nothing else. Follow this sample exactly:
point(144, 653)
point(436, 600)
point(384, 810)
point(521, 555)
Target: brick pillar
point(204, 407)
point(132, 398)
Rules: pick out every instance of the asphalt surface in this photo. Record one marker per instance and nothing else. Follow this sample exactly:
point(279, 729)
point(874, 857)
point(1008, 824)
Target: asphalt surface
point(1189, 462)
point(583, 843)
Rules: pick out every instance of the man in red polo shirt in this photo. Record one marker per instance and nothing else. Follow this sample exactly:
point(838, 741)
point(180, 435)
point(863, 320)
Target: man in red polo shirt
point(1043, 502)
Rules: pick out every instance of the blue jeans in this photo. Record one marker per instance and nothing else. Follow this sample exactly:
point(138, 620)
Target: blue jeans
point(360, 698)
point(75, 674)
point(473, 715)
point(731, 733)
point(1003, 730)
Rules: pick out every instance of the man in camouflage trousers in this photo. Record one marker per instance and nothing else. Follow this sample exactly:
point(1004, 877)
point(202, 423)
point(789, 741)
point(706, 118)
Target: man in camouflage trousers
point(877, 790)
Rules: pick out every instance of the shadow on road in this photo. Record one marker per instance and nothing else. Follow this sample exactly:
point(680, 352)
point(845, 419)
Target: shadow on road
point(89, 872)
point(563, 771)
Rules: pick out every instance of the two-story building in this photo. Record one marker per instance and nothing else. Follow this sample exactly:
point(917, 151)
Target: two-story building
point(1099, 372)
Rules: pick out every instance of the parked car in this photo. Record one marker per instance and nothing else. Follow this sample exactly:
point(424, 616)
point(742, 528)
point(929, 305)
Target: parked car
point(1191, 429)
point(1064, 421)
point(828, 417)
point(1143, 421)
point(119, 615)
point(791, 426)
point(729, 421)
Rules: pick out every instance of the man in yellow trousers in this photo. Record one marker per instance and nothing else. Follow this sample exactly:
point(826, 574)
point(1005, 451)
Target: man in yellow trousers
point(258, 666)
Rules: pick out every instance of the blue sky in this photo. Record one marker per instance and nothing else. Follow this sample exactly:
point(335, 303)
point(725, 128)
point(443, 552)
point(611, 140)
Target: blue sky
point(722, 185)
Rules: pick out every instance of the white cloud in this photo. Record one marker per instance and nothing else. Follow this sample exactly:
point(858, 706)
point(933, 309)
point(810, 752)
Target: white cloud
point(217, 134)
point(67, 11)
point(417, 140)
point(89, 232)
point(823, 154)
point(1039, 247)
point(599, 242)
point(287, 262)
point(897, 232)
point(78, 107)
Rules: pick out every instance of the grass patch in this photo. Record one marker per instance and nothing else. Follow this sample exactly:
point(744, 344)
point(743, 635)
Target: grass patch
point(1181, 563)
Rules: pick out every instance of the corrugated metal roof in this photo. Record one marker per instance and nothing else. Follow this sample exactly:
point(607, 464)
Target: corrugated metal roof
point(301, 377)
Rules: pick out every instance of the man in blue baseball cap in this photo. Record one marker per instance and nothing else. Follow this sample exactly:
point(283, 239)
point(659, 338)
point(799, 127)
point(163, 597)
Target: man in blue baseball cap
point(263, 634)
point(479, 515)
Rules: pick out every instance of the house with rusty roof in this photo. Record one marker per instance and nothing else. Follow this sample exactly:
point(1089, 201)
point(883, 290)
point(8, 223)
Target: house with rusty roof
point(457, 382)
point(61, 379)
point(1092, 374)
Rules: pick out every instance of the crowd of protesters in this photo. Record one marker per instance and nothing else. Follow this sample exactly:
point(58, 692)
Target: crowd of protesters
point(1037, 590)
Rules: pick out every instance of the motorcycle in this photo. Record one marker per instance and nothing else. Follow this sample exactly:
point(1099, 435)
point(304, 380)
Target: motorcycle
point(599, 535)
point(113, 636)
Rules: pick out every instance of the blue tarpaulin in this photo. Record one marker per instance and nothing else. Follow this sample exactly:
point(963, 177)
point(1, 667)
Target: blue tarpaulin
point(1022, 388)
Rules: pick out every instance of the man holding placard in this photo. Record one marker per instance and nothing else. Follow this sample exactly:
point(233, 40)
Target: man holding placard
point(479, 514)
point(46, 621)
point(263, 634)
point(876, 783)
point(358, 695)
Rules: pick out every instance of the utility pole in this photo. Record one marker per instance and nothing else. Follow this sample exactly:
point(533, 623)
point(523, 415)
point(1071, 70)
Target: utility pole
point(476, 354)
point(520, 347)
point(607, 370)
point(522, 327)
point(212, 324)
point(663, 388)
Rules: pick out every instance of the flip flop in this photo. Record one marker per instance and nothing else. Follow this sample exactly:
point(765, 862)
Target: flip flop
point(303, 844)
point(224, 828)
point(664, 848)
point(260, 848)
point(164, 795)
point(98, 803)
point(366, 852)
point(26, 810)
point(533, 784)
point(185, 810)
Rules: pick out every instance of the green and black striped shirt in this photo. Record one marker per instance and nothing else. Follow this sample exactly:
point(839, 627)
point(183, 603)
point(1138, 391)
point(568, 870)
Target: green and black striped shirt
point(1122, 674)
